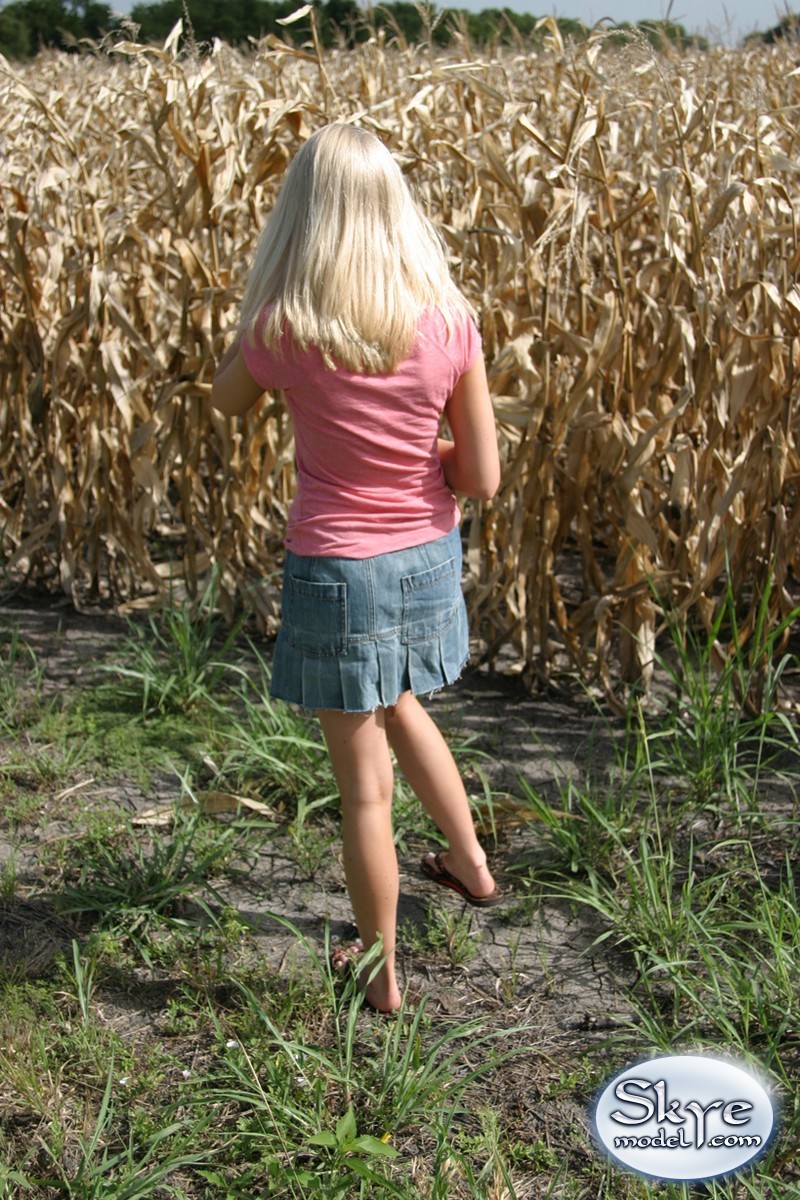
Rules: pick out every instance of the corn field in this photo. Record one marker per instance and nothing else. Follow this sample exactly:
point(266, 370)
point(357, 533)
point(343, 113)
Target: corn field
point(625, 223)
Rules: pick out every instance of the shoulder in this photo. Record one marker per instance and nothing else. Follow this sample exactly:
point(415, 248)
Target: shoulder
point(454, 333)
point(270, 360)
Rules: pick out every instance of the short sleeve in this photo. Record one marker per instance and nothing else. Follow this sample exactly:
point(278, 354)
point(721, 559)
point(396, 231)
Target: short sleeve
point(255, 354)
point(269, 370)
point(462, 345)
point(473, 345)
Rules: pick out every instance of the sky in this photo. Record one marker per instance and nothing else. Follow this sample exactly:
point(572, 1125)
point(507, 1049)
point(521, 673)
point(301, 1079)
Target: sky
point(725, 21)
point(721, 21)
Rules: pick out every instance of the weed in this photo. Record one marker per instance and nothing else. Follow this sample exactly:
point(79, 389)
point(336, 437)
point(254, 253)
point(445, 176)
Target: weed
point(585, 833)
point(509, 980)
point(146, 886)
point(21, 677)
point(111, 725)
point(36, 765)
point(350, 1152)
point(723, 728)
point(8, 875)
point(269, 748)
point(177, 659)
point(667, 850)
point(310, 846)
point(446, 928)
point(133, 1172)
point(83, 979)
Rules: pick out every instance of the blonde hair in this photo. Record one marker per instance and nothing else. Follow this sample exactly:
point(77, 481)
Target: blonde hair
point(347, 260)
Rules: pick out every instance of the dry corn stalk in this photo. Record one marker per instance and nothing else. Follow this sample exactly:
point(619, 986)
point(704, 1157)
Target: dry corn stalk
point(625, 224)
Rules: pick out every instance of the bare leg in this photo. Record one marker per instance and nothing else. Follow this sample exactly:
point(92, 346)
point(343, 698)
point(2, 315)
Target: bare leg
point(428, 765)
point(362, 765)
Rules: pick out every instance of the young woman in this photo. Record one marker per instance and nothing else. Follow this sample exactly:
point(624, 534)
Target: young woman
point(350, 310)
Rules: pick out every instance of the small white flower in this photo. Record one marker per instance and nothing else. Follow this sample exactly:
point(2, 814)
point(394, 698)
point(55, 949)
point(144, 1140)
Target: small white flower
point(231, 1043)
point(123, 1082)
point(186, 1073)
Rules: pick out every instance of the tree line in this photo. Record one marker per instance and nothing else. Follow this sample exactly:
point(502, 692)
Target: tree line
point(28, 26)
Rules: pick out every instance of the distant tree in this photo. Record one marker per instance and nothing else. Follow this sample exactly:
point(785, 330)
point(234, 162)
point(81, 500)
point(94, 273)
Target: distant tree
point(26, 26)
point(569, 27)
point(209, 19)
point(342, 18)
point(496, 24)
point(15, 36)
point(659, 34)
point(524, 23)
point(154, 21)
point(401, 17)
point(788, 27)
point(662, 33)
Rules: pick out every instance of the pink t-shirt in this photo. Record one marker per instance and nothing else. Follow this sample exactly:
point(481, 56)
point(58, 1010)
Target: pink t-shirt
point(368, 473)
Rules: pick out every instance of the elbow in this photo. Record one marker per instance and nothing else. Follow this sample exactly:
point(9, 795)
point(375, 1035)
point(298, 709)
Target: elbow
point(217, 396)
point(487, 473)
point(222, 400)
point(486, 487)
point(485, 493)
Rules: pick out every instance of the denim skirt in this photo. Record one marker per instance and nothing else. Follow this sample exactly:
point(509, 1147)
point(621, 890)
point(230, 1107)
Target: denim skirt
point(358, 632)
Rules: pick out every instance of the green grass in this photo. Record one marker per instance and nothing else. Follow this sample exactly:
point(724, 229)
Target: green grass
point(178, 657)
point(20, 678)
point(270, 747)
point(445, 929)
point(161, 1054)
point(686, 851)
point(722, 729)
point(136, 887)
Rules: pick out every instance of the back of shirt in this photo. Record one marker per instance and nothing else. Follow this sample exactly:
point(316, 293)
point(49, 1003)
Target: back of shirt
point(368, 473)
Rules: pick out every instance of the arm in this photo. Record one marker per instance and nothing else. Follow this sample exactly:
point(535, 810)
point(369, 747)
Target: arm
point(471, 462)
point(233, 389)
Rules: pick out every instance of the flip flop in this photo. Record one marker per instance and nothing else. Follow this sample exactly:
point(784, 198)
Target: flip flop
point(433, 868)
point(412, 999)
point(345, 956)
point(380, 1012)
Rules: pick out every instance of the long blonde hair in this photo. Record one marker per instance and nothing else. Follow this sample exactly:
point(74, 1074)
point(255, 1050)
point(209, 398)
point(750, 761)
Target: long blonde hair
point(347, 260)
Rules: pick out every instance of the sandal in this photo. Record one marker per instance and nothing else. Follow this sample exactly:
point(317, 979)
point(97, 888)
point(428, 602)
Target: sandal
point(433, 868)
point(346, 956)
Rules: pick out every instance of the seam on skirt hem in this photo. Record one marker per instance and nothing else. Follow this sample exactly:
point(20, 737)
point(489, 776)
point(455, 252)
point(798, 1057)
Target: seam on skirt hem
point(428, 692)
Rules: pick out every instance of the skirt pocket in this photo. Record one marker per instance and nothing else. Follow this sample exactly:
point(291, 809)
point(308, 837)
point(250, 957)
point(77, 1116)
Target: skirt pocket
point(315, 617)
point(430, 602)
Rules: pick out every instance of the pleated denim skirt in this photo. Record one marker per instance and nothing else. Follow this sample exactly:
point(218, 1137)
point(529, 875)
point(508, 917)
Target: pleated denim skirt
point(358, 632)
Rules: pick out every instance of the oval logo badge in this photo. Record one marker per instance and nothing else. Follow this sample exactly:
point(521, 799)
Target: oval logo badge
point(684, 1117)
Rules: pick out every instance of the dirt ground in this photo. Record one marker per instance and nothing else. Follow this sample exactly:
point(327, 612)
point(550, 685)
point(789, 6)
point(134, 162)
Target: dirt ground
point(533, 964)
point(543, 737)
